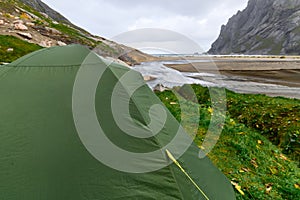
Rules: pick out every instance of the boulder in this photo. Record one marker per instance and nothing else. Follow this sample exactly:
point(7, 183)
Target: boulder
point(160, 88)
point(25, 35)
point(30, 24)
point(45, 15)
point(60, 43)
point(149, 78)
point(46, 44)
point(53, 31)
point(21, 27)
point(18, 21)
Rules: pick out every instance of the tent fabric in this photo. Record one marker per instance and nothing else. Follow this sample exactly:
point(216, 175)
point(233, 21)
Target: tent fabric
point(42, 156)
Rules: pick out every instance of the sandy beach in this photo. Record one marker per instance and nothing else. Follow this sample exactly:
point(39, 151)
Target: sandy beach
point(270, 75)
point(275, 70)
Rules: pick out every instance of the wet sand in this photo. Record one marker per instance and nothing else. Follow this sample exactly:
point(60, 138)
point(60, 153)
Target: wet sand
point(289, 78)
point(270, 75)
point(264, 70)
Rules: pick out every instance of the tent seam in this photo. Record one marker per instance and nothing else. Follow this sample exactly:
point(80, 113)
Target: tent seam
point(2, 75)
point(33, 54)
point(173, 174)
point(159, 144)
point(134, 101)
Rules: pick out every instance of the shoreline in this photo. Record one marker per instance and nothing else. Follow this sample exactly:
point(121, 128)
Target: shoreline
point(285, 73)
point(216, 58)
point(269, 76)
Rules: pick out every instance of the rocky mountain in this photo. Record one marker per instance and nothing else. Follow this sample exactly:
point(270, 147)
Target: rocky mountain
point(44, 8)
point(264, 27)
point(35, 22)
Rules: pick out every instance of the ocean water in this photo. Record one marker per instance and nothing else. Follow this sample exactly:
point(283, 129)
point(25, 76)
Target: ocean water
point(166, 76)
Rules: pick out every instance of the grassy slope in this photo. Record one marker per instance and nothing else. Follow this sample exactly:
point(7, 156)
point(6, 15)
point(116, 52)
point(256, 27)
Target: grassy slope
point(20, 47)
point(276, 118)
point(71, 35)
point(243, 154)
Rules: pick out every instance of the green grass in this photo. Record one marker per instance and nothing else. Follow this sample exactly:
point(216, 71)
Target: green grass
point(75, 35)
point(278, 119)
point(245, 153)
point(20, 47)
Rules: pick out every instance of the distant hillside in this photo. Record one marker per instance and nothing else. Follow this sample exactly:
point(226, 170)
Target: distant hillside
point(44, 8)
point(32, 21)
point(264, 27)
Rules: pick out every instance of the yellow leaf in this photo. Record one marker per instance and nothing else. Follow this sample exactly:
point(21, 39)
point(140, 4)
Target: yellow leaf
point(259, 142)
point(245, 169)
point(273, 171)
point(254, 163)
point(210, 110)
point(232, 122)
point(233, 183)
point(297, 186)
point(238, 188)
point(283, 157)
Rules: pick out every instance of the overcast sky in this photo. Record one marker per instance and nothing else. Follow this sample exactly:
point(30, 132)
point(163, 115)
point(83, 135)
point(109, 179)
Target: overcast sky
point(200, 20)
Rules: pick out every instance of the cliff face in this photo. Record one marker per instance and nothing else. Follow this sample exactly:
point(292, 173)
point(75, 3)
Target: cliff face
point(264, 27)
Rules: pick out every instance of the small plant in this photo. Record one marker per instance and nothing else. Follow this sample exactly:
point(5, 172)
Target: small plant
point(245, 153)
point(25, 16)
point(38, 22)
point(7, 15)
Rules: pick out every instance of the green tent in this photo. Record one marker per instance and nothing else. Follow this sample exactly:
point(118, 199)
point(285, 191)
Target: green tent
point(50, 147)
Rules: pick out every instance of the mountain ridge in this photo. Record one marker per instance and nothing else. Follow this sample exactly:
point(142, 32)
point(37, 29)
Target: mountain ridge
point(44, 8)
point(263, 27)
point(35, 22)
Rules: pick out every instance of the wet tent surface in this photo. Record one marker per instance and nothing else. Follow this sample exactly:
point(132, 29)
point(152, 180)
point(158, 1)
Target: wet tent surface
point(42, 156)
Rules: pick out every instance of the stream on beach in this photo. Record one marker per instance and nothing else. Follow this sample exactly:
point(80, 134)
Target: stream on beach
point(170, 78)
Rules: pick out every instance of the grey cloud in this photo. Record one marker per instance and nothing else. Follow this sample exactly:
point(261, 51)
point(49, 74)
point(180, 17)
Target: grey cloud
point(151, 38)
point(110, 18)
point(190, 7)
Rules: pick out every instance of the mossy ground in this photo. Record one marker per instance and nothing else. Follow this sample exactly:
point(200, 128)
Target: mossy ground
point(20, 48)
point(247, 151)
